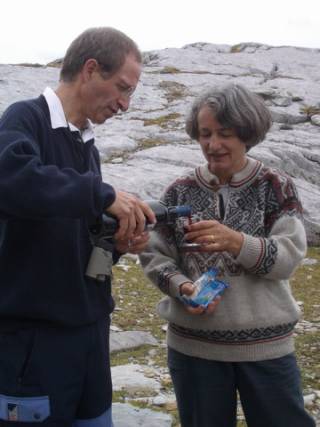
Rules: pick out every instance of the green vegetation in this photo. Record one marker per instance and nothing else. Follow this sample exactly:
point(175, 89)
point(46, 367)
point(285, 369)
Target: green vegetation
point(143, 144)
point(170, 70)
point(237, 48)
point(162, 121)
point(174, 90)
point(306, 288)
point(136, 299)
point(31, 65)
point(310, 110)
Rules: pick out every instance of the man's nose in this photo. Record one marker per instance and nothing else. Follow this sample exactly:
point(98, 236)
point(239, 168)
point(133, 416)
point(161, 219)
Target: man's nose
point(124, 103)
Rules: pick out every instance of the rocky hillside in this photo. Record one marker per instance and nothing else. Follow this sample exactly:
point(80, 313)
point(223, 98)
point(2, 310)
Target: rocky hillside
point(144, 149)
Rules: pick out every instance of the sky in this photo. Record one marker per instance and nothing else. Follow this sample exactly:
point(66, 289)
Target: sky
point(39, 31)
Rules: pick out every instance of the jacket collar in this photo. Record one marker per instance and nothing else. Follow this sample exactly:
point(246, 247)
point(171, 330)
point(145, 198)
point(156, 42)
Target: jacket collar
point(58, 118)
point(207, 179)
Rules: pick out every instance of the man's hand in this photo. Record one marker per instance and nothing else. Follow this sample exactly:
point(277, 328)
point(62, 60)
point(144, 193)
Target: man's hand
point(131, 213)
point(187, 289)
point(134, 245)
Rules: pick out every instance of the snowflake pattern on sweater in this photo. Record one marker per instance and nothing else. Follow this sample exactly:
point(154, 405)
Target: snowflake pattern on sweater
point(258, 308)
point(254, 205)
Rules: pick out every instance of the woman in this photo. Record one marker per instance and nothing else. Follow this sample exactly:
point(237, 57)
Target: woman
point(251, 231)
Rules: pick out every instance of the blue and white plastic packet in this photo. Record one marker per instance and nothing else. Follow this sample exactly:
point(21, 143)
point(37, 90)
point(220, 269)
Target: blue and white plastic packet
point(208, 287)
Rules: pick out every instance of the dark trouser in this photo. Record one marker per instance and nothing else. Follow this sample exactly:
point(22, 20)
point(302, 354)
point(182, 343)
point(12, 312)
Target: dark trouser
point(206, 391)
point(54, 376)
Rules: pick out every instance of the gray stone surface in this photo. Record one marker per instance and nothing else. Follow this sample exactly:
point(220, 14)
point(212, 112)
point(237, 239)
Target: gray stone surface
point(130, 339)
point(125, 415)
point(133, 379)
point(286, 77)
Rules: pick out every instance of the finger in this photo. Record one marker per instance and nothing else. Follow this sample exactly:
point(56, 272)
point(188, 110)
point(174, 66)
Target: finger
point(187, 288)
point(195, 310)
point(138, 240)
point(204, 224)
point(138, 244)
point(122, 231)
point(193, 235)
point(206, 239)
point(137, 249)
point(212, 306)
point(143, 237)
point(148, 212)
point(132, 226)
point(210, 238)
point(140, 221)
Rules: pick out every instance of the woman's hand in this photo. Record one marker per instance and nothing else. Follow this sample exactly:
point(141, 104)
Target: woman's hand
point(188, 289)
point(134, 245)
point(214, 237)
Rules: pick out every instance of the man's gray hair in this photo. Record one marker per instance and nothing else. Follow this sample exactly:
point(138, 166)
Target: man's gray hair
point(234, 107)
point(108, 46)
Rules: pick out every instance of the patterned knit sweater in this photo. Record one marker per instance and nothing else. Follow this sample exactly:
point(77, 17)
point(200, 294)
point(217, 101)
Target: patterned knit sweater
point(257, 313)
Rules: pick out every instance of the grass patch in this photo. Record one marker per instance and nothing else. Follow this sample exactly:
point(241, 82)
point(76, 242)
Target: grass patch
point(237, 48)
point(137, 298)
point(162, 121)
point(143, 144)
point(170, 70)
point(305, 287)
point(31, 65)
point(174, 90)
point(310, 110)
point(146, 143)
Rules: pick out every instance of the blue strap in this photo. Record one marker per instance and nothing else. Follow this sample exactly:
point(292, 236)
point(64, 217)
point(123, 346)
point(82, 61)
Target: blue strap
point(24, 409)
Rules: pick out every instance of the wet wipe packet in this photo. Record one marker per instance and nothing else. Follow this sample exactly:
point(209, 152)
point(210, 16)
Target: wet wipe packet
point(208, 287)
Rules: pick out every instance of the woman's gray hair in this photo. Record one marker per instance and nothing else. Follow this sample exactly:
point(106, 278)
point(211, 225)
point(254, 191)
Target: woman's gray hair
point(234, 107)
point(108, 46)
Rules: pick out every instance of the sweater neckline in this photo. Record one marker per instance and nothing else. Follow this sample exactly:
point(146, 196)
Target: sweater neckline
point(210, 181)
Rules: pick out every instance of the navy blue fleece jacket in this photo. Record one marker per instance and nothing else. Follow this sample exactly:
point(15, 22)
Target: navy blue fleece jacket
point(51, 190)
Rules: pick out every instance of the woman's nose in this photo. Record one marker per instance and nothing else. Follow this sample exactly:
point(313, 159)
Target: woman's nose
point(214, 141)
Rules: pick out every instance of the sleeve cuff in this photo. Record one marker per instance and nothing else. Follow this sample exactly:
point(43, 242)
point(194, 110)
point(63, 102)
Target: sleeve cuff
point(108, 195)
point(175, 281)
point(251, 252)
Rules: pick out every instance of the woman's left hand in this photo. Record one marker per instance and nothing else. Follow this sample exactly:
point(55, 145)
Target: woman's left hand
point(133, 246)
point(187, 289)
point(214, 237)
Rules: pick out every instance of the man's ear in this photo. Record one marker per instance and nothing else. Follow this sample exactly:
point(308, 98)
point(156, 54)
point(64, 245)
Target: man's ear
point(90, 66)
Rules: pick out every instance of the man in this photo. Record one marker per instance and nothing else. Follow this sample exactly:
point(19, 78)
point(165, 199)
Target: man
point(54, 319)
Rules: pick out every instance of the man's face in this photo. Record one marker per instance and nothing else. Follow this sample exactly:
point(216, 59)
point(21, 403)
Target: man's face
point(103, 97)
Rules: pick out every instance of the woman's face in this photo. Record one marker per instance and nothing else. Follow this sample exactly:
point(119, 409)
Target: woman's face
point(224, 151)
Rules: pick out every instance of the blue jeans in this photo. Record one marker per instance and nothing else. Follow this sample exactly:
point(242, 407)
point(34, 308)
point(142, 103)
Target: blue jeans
point(206, 392)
